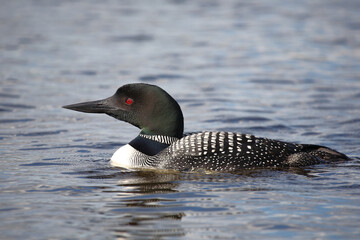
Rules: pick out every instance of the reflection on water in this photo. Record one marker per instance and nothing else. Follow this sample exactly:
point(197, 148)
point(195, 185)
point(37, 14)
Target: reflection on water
point(147, 206)
point(159, 204)
point(287, 70)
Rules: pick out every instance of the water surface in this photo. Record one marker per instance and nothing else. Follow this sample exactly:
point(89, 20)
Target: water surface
point(284, 70)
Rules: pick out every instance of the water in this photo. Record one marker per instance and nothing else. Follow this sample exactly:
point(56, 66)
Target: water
point(284, 70)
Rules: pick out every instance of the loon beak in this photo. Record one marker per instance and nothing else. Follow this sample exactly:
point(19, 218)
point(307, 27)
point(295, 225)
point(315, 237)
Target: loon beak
point(100, 106)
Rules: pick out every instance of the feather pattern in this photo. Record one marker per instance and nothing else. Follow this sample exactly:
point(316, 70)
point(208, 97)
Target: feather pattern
point(225, 151)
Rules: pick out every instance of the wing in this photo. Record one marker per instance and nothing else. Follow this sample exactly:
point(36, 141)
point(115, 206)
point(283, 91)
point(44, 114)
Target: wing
point(226, 151)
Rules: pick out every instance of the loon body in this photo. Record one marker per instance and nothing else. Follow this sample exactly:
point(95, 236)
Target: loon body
point(162, 145)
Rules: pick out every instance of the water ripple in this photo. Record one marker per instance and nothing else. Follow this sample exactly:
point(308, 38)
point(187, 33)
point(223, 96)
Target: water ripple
point(5, 121)
point(150, 78)
point(131, 38)
point(42, 133)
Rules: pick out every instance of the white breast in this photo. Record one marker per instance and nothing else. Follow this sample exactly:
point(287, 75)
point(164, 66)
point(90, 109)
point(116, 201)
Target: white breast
point(124, 157)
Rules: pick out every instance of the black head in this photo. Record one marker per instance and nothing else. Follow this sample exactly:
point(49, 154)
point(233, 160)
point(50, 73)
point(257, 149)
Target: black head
point(145, 106)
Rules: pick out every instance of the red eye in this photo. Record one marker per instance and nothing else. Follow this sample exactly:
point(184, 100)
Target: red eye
point(129, 101)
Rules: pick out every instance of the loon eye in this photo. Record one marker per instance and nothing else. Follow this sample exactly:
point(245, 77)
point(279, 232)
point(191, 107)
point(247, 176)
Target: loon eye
point(129, 101)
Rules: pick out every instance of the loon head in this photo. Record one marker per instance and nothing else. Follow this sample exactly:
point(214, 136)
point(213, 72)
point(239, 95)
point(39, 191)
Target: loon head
point(145, 106)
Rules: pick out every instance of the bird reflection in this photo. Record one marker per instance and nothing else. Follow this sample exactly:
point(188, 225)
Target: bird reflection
point(146, 205)
point(153, 204)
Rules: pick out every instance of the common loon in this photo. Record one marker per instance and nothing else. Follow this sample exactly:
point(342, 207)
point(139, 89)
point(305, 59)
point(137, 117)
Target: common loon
point(161, 143)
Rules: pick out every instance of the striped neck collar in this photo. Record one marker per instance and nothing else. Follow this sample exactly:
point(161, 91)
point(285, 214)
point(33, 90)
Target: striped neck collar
point(160, 138)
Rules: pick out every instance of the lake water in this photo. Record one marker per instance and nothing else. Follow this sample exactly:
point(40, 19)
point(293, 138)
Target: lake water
point(287, 70)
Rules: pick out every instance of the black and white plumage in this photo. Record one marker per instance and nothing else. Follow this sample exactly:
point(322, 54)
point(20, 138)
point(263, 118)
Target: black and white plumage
point(162, 145)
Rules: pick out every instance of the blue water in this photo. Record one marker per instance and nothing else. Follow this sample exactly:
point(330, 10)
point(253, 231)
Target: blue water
point(287, 70)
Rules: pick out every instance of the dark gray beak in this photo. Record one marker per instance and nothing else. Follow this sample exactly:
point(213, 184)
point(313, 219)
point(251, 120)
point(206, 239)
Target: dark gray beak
point(100, 106)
